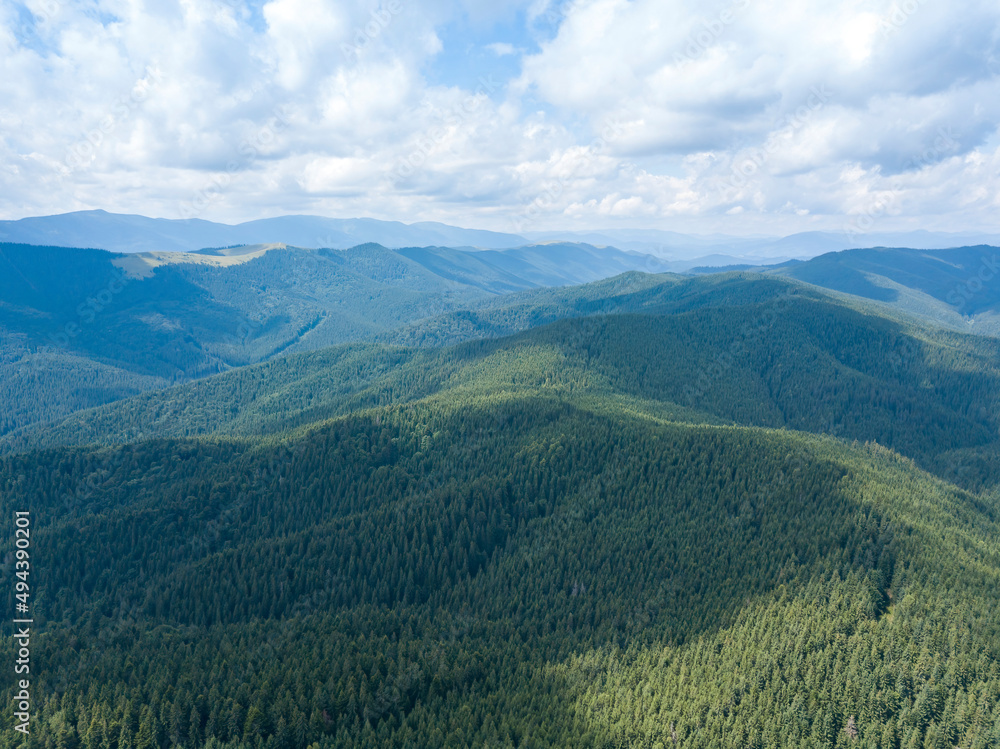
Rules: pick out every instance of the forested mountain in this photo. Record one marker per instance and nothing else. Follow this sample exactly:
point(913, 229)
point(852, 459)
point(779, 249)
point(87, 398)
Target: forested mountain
point(762, 250)
point(133, 323)
point(649, 511)
point(958, 288)
point(735, 348)
point(508, 569)
point(81, 328)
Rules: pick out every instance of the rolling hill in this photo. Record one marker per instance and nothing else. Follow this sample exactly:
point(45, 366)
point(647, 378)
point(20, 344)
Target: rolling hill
point(957, 288)
point(652, 510)
point(737, 348)
point(141, 321)
point(522, 558)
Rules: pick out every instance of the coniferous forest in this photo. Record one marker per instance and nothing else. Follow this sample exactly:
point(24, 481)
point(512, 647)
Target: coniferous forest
point(723, 511)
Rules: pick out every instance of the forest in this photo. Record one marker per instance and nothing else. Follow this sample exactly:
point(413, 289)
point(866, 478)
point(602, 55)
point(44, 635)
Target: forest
point(729, 511)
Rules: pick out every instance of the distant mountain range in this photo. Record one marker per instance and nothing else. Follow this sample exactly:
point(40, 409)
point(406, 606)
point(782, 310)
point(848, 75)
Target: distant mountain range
point(718, 250)
point(83, 327)
point(95, 326)
point(130, 233)
point(958, 288)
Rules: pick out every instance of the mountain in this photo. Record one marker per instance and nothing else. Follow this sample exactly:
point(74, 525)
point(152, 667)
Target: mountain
point(130, 233)
point(743, 349)
point(689, 522)
point(813, 243)
point(85, 327)
point(739, 509)
point(145, 320)
point(958, 288)
point(728, 250)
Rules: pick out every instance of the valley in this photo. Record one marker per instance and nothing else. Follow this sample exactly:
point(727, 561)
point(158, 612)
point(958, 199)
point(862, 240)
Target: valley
point(713, 510)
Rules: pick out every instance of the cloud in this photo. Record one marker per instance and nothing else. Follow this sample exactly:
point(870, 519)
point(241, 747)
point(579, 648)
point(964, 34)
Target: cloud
point(501, 49)
point(659, 113)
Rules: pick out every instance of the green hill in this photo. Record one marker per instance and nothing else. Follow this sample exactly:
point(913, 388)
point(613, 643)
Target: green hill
point(143, 321)
point(739, 349)
point(647, 512)
point(958, 287)
point(511, 570)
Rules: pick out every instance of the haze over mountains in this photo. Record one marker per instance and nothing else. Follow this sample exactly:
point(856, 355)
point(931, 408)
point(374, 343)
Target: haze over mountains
point(520, 496)
point(126, 323)
point(650, 510)
point(551, 374)
point(131, 233)
point(131, 322)
point(765, 250)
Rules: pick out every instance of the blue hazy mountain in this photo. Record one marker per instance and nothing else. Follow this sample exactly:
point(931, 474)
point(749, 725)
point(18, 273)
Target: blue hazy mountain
point(761, 250)
point(80, 327)
point(958, 287)
point(130, 233)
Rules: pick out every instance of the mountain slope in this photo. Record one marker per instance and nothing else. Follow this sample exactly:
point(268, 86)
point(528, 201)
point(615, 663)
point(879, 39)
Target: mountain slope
point(743, 349)
point(669, 516)
point(959, 288)
point(148, 319)
point(512, 569)
point(131, 233)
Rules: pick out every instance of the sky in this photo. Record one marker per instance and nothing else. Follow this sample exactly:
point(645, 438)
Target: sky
point(754, 117)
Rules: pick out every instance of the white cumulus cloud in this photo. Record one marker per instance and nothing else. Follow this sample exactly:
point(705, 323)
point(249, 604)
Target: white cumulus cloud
point(744, 115)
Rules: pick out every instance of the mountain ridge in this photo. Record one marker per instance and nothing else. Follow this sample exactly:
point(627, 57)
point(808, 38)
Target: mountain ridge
point(653, 510)
point(509, 566)
point(135, 233)
point(907, 389)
